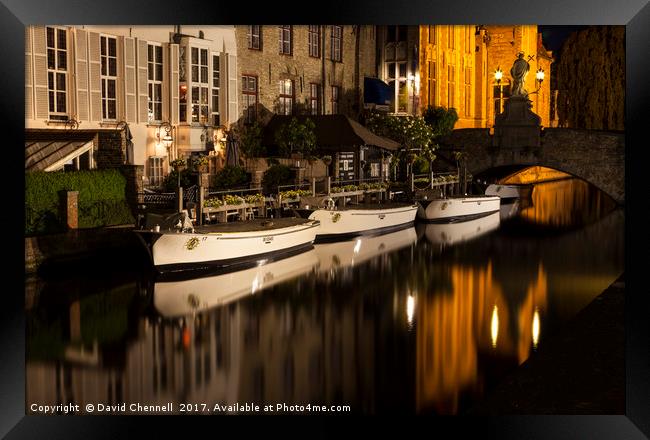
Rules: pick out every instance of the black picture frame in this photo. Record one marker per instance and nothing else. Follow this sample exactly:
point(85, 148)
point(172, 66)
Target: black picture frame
point(634, 14)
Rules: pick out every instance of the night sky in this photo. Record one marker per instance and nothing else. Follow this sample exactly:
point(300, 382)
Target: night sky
point(554, 36)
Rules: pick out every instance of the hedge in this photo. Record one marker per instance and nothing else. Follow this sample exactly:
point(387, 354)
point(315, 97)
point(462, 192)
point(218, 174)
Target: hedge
point(102, 200)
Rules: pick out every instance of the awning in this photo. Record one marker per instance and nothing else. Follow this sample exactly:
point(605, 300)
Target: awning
point(50, 151)
point(375, 91)
point(333, 132)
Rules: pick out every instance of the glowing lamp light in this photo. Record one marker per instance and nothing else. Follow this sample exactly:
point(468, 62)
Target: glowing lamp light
point(167, 141)
point(498, 75)
point(539, 75)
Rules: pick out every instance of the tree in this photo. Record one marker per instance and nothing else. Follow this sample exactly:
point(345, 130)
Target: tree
point(442, 123)
point(276, 175)
point(250, 141)
point(412, 132)
point(295, 137)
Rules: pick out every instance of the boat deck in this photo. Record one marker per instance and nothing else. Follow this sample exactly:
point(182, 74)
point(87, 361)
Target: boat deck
point(370, 206)
point(250, 225)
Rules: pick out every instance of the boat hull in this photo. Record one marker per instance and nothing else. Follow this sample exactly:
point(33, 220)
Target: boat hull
point(458, 209)
point(349, 223)
point(172, 252)
point(509, 191)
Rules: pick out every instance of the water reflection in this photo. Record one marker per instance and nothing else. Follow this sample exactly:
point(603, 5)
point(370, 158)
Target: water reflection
point(385, 324)
point(446, 234)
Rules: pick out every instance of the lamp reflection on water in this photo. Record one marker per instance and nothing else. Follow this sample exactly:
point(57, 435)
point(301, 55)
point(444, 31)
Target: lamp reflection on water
point(410, 309)
point(495, 326)
point(535, 327)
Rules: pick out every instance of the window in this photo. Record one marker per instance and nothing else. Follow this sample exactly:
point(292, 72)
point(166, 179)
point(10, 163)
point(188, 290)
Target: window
point(249, 97)
point(314, 99)
point(396, 73)
point(500, 93)
point(57, 72)
point(396, 33)
point(286, 97)
point(285, 39)
point(432, 35)
point(374, 169)
point(216, 71)
point(451, 41)
point(109, 77)
point(154, 79)
point(431, 82)
point(337, 43)
point(254, 37)
point(468, 91)
point(335, 99)
point(200, 86)
point(156, 171)
point(451, 83)
point(314, 41)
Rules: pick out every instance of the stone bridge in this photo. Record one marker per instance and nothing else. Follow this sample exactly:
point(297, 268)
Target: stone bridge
point(595, 156)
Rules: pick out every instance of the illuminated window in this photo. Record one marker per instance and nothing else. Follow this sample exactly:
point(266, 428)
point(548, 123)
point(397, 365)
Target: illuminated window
point(200, 85)
point(249, 97)
point(314, 98)
point(286, 97)
point(335, 99)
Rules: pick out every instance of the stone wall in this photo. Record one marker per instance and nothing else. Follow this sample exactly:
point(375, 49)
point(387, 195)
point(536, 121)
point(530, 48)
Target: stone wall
point(591, 79)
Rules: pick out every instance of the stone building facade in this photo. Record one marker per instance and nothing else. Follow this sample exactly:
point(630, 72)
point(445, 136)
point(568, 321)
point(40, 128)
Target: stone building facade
point(158, 81)
point(306, 69)
point(454, 65)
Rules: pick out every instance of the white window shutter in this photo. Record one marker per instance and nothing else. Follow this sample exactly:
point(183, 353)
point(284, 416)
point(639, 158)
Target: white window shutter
point(81, 74)
point(143, 92)
point(94, 76)
point(120, 89)
point(130, 96)
point(233, 92)
point(39, 48)
point(174, 83)
point(166, 97)
point(29, 81)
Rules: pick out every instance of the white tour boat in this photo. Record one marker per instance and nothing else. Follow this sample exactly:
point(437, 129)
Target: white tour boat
point(362, 219)
point(179, 246)
point(447, 234)
point(178, 298)
point(457, 208)
point(509, 191)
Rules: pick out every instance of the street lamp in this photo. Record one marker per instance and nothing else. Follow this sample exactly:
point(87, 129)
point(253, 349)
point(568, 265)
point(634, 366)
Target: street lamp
point(167, 140)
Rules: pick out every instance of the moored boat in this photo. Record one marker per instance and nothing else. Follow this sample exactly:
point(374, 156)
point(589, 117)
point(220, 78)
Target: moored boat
point(509, 191)
point(180, 248)
point(460, 208)
point(363, 219)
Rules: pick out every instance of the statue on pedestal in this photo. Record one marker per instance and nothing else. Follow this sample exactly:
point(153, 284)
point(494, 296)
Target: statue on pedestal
point(519, 71)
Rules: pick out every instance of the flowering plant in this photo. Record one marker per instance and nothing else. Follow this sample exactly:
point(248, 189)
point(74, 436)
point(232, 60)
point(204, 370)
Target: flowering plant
point(177, 163)
point(232, 200)
point(254, 198)
point(212, 203)
point(200, 160)
point(294, 194)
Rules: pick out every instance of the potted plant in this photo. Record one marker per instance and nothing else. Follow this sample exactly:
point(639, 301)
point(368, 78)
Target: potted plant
point(178, 164)
point(200, 162)
point(327, 160)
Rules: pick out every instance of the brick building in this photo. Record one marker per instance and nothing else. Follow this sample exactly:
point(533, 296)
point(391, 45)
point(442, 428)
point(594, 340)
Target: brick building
point(307, 69)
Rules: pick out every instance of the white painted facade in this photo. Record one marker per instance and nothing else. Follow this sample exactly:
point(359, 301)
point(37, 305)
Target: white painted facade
point(100, 76)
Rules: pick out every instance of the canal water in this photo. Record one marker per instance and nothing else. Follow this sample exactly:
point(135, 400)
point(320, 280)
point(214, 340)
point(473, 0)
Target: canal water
point(426, 320)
